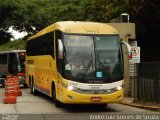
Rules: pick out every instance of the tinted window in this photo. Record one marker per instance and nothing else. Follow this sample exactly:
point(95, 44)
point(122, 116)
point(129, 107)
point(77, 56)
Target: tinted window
point(42, 45)
point(3, 59)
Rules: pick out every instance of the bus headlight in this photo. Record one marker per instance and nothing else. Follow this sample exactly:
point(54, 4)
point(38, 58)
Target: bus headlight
point(70, 88)
point(119, 88)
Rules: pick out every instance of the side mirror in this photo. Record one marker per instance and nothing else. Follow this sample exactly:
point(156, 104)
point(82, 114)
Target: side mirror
point(128, 49)
point(60, 49)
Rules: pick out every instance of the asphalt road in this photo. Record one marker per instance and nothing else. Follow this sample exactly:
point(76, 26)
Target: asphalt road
point(42, 108)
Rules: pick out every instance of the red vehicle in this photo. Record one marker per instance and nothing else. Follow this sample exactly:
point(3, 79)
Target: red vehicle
point(12, 62)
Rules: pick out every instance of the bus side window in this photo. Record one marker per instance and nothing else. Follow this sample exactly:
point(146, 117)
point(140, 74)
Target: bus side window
point(3, 59)
point(42, 45)
point(51, 44)
point(47, 44)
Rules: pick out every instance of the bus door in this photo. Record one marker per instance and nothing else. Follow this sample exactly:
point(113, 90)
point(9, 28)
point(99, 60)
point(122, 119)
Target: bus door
point(21, 68)
point(13, 64)
point(21, 58)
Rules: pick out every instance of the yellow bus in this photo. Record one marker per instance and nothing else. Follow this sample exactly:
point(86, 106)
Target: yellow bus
point(94, 49)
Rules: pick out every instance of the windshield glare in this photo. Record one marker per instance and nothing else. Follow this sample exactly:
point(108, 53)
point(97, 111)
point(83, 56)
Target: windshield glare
point(92, 57)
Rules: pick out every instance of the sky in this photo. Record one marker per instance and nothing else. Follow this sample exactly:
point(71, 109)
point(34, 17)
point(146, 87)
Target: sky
point(16, 34)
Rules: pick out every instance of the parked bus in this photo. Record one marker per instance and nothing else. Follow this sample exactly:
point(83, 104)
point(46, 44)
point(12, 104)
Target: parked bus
point(12, 62)
point(99, 81)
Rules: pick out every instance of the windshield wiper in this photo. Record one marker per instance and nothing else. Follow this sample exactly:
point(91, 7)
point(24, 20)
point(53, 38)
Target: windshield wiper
point(86, 70)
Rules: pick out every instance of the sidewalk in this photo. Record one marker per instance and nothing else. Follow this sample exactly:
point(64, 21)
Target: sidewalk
point(144, 105)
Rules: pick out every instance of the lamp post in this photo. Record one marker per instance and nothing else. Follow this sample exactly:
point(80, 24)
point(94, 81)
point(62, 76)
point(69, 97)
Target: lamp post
point(125, 17)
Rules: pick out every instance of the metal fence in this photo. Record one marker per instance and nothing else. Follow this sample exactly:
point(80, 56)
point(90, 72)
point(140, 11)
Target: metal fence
point(148, 82)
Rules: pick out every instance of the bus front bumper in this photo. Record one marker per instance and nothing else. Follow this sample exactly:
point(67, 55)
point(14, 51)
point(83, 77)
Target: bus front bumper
point(71, 97)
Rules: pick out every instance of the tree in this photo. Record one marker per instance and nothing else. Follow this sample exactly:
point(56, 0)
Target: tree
point(34, 15)
point(23, 16)
point(103, 10)
point(146, 15)
point(6, 7)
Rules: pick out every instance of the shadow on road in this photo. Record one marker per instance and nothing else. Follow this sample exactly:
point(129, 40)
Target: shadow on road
point(87, 108)
point(82, 108)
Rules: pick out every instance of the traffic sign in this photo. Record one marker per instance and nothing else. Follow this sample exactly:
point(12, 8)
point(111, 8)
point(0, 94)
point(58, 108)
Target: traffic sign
point(135, 55)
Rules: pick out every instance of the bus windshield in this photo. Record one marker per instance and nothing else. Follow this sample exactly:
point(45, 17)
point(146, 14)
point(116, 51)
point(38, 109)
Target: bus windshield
point(93, 58)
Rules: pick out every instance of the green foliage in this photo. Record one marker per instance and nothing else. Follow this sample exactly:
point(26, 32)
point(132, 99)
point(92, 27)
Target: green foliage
point(104, 10)
point(33, 15)
point(6, 7)
point(13, 45)
point(146, 15)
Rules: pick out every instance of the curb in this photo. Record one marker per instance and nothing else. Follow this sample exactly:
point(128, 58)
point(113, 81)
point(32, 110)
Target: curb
point(142, 106)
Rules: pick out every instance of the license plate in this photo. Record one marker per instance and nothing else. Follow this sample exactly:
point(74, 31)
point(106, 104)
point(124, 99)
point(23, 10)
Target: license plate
point(96, 99)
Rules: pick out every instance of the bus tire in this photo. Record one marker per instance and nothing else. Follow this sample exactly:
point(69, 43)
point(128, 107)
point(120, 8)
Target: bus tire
point(57, 103)
point(30, 86)
point(33, 90)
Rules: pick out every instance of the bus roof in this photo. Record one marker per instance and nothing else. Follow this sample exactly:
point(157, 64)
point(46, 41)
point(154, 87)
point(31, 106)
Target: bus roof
point(12, 51)
point(78, 27)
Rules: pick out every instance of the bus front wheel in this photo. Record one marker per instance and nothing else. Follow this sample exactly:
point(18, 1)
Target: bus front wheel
point(32, 89)
point(56, 102)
